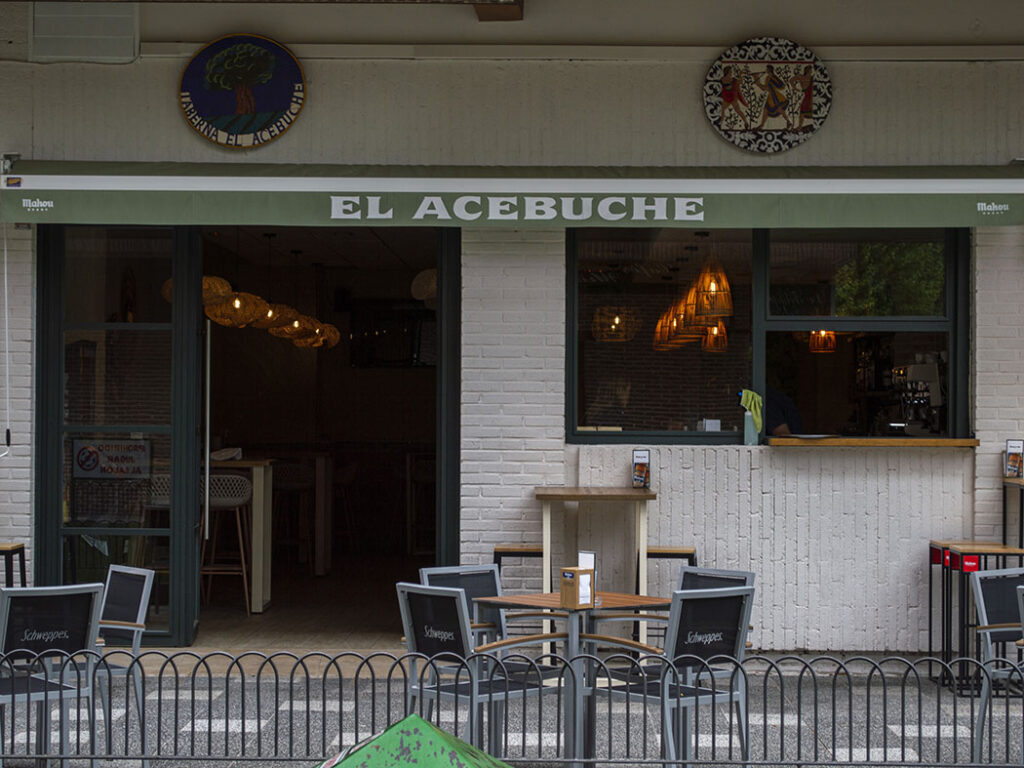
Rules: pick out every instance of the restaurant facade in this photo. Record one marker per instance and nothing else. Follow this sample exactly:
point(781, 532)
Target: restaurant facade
point(578, 178)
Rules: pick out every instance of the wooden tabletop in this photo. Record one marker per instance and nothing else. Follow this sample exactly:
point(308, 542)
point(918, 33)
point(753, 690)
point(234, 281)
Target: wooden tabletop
point(984, 548)
point(947, 543)
point(1017, 481)
point(578, 493)
point(551, 601)
point(242, 463)
point(874, 442)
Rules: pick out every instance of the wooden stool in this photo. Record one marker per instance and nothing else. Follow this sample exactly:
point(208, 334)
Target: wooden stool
point(515, 550)
point(9, 551)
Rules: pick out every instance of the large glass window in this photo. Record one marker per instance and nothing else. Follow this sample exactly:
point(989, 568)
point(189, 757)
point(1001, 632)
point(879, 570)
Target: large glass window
point(844, 332)
point(663, 331)
point(116, 401)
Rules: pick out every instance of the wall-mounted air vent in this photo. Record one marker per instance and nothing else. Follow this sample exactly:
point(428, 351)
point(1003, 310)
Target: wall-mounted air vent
point(105, 33)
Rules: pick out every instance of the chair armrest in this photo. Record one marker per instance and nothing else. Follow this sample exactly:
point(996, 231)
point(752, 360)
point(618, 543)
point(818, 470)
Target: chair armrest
point(657, 617)
point(511, 642)
point(997, 627)
point(111, 624)
point(622, 642)
point(482, 625)
point(536, 615)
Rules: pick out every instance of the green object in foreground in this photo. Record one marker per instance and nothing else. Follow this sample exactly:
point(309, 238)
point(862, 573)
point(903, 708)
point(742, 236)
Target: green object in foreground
point(414, 741)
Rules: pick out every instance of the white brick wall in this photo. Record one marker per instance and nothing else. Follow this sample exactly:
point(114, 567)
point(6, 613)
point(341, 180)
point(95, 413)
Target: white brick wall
point(837, 537)
point(16, 498)
point(998, 369)
point(513, 384)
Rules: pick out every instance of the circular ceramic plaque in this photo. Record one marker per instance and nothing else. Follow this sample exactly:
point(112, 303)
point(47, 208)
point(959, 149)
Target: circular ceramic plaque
point(242, 91)
point(767, 94)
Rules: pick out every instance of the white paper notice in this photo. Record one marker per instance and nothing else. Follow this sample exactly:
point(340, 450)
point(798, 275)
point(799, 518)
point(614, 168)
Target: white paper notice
point(585, 588)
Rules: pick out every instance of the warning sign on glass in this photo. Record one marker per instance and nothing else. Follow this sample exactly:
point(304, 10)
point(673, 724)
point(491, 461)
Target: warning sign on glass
point(112, 459)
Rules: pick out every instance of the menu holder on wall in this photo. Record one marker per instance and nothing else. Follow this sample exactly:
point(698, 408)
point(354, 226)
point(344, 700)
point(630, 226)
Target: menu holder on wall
point(641, 468)
point(1013, 466)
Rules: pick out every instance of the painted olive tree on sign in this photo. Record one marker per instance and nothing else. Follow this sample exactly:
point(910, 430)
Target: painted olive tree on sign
point(240, 68)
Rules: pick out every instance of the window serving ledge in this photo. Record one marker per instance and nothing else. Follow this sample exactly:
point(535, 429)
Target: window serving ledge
point(873, 442)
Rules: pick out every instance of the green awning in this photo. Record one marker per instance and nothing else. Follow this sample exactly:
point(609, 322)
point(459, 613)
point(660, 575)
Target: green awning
point(510, 197)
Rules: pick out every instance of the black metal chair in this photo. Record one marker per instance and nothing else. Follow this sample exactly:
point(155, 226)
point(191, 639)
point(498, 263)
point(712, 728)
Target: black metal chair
point(999, 623)
point(122, 623)
point(49, 655)
point(705, 638)
point(488, 622)
point(436, 622)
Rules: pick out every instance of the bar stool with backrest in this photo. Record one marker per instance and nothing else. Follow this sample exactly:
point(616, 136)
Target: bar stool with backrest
point(229, 493)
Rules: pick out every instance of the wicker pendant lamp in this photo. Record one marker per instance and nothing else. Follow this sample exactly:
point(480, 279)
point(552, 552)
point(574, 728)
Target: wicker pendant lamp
point(715, 340)
point(713, 298)
point(238, 310)
point(614, 323)
point(822, 341)
point(315, 339)
point(300, 327)
point(276, 314)
point(331, 336)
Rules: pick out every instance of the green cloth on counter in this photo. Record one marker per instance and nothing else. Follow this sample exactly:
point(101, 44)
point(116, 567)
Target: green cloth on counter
point(753, 402)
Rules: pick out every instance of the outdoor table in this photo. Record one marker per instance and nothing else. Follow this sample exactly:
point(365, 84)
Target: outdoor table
point(579, 719)
point(964, 558)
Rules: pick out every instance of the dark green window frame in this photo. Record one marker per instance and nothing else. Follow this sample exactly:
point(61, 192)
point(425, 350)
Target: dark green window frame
point(956, 323)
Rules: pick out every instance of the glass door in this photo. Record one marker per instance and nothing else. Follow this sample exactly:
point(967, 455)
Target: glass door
point(118, 428)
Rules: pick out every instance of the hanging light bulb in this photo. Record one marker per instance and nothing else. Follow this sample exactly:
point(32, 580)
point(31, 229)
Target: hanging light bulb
point(822, 341)
point(715, 339)
point(614, 324)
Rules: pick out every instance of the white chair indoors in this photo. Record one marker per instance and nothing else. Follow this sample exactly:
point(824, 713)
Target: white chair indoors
point(230, 497)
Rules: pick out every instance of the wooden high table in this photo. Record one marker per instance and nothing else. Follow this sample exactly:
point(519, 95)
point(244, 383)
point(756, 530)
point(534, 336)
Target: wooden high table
point(638, 496)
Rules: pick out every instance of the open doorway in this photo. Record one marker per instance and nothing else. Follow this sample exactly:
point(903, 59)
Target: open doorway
point(353, 420)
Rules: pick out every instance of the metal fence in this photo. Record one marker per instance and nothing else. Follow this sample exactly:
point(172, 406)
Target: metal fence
point(301, 709)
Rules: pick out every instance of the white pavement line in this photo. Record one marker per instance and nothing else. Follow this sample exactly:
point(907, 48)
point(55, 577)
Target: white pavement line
point(875, 755)
point(932, 731)
point(772, 718)
point(71, 744)
point(100, 713)
point(300, 707)
point(347, 737)
point(222, 725)
point(183, 694)
point(531, 740)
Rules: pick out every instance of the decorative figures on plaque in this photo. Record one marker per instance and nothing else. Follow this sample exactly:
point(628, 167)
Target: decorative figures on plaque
point(767, 94)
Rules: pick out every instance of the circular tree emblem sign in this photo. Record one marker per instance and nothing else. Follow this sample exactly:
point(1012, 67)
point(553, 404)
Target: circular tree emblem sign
point(242, 91)
point(767, 94)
